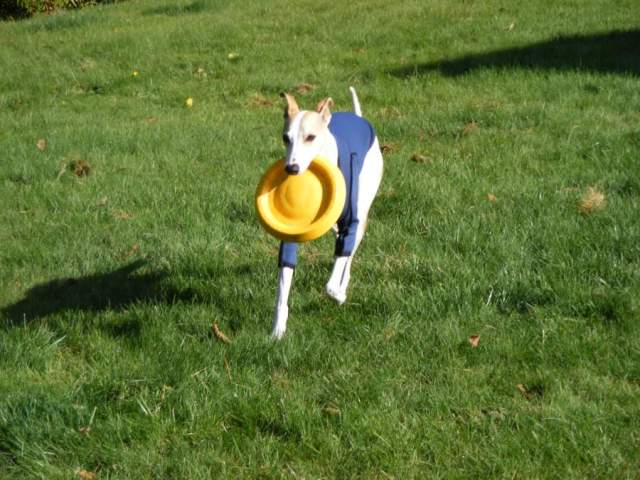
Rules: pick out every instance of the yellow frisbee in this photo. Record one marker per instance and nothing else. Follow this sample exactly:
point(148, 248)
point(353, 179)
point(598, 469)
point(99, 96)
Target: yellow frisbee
point(299, 208)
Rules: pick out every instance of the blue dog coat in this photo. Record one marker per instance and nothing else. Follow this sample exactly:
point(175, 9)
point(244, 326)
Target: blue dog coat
point(354, 137)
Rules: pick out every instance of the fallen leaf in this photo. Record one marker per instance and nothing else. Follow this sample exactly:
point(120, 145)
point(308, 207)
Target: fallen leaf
point(41, 144)
point(474, 340)
point(87, 64)
point(389, 147)
point(491, 197)
point(219, 334)
point(84, 430)
point(165, 389)
point(418, 158)
point(304, 88)
point(80, 168)
point(511, 26)
point(279, 379)
point(103, 201)
point(592, 201)
point(201, 72)
point(391, 112)
point(523, 390)
point(259, 100)
point(469, 128)
point(122, 215)
point(389, 332)
point(189, 102)
point(134, 248)
point(331, 410)
point(233, 56)
point(151, 120)
point(85, 474)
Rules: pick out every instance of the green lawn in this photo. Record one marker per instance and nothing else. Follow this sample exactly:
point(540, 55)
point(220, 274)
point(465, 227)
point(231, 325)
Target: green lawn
point(499, 117)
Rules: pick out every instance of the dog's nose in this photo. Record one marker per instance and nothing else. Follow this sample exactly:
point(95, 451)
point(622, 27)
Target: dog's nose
point(292, 169)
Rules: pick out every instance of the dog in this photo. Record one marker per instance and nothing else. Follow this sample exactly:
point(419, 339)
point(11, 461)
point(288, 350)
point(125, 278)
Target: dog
point(350, 142)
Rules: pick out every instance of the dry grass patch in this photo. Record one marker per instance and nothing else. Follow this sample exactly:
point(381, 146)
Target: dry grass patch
point(592, 201)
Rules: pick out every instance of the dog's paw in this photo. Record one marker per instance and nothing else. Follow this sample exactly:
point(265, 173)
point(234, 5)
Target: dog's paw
point(279, 322)
point(339, 296)
point(277, 334)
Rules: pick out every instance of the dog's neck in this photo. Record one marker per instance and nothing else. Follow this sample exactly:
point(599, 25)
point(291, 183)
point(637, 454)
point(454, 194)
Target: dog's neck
point(329, 148)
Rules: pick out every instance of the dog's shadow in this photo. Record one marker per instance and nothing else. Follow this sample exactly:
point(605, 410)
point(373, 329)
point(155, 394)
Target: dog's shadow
point(115, 290)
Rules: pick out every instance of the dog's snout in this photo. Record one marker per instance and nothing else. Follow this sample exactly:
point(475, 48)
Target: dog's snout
point(292, 169)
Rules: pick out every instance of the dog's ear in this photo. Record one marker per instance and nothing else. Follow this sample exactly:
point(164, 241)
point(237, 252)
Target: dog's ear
point(323, 109)
point(292, 109)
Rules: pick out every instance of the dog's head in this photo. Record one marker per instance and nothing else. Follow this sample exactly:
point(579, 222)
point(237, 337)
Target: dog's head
point(305, 133)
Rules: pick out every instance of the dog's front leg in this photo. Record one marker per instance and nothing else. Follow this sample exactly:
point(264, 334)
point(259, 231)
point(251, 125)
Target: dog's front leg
point(285, 278)
point(287, 259)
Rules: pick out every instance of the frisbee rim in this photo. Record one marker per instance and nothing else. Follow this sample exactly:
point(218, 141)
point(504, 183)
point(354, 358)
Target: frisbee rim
point(333, 185)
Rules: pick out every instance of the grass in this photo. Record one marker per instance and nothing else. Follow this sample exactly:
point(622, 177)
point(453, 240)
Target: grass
point(131, 231)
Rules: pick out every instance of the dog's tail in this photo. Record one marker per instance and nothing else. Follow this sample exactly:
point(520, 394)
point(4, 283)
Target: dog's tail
point(356, 102)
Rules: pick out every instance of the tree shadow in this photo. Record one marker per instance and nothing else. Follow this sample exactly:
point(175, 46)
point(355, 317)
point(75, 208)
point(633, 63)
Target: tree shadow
point(177, 9)
point(114, 290)
point(12, 11)
point(611, 52)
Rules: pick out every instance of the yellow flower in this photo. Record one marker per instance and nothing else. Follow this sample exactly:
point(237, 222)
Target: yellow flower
point(189, 102)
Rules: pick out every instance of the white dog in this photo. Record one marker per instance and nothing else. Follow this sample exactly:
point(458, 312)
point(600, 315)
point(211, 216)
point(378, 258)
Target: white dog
point(350, 142)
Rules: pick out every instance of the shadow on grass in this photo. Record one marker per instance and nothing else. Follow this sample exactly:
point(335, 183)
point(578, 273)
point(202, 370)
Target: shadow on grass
point(114, 290)
point(224, 290)
point(176, 9)
point(12, 11)
point(612, 52)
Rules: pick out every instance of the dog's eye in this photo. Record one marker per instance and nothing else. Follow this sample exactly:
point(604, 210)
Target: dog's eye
point(309, 138)
point(285, 139)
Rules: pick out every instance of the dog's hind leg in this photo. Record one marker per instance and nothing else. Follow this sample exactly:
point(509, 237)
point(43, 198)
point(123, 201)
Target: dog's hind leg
point(368, 183)
point(341, 274)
